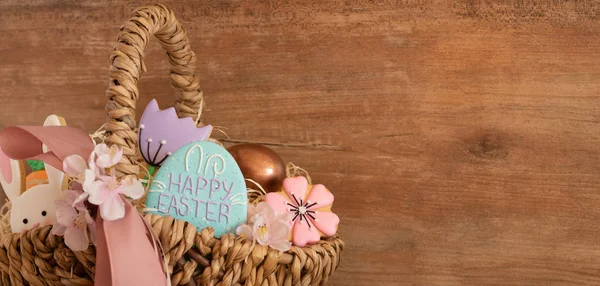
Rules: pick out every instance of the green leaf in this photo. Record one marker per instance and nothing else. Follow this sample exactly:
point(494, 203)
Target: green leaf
point(36, 165)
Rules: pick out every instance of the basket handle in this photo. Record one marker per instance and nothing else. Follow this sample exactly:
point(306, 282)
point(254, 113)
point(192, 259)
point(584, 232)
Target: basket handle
point(127, 67)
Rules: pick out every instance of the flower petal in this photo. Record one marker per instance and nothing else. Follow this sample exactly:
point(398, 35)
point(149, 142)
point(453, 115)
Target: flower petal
point(320, 195)
point(90, 177)
point(77, 239)
point(281, 245)
point(64, 213)
point(286, 217)
point(296, 187)
point(326, 222)
point(104, 161)
point(71, 196)
point(101, 149)
point(278, 202)
point(79, 201)
point(91, 159)
point(116, 154)
point(88, 218)
point(74, 165)
point(279, 229)
point(251, 213)
point(303, 234)
point(132, 188)
point(264, 209)
point(261, 230)
point(109, 179)
point(98, 192)
point(113, 208)
point(245, 230)
point(58, 229)
point(108, 157)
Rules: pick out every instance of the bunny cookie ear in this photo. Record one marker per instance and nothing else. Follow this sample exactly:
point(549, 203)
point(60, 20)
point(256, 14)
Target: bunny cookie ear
point(53, 120)
point(12, 172)
point(12, 176)
point(55, 176)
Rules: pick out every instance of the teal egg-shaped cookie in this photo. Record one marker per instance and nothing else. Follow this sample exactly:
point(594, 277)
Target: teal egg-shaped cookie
point(201, 184)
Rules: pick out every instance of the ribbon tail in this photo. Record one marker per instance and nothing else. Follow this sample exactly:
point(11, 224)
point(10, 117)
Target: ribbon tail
point(103, 274)
point(124, 253)
point(158, 248)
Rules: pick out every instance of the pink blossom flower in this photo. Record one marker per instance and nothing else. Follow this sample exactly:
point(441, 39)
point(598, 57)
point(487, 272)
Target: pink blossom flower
point(310, 207)
point(83, 172)
point(108, 157)
point(106, 192)
point(74, 222)
point(266, 227)
point(100, 189)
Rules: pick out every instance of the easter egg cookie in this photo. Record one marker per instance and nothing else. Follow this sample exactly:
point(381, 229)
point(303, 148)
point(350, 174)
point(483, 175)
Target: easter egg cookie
point(201, 184)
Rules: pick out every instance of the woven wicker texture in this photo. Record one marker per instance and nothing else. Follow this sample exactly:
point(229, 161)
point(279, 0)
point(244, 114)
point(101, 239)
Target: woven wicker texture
point(127, 67)
point(37, 257)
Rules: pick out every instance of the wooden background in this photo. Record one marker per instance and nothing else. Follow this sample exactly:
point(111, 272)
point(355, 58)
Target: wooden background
point(461, 138)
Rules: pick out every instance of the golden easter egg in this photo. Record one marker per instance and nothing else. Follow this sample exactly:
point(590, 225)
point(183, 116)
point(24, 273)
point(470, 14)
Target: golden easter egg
point(260, 164)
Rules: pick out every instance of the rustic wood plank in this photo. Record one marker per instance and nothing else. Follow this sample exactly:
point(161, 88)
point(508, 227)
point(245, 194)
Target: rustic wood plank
point(461, 138)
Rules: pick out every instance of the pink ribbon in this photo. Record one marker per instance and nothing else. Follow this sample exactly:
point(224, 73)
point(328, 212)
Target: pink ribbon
point(127, 252)
point(25, 143)
point(130, 258)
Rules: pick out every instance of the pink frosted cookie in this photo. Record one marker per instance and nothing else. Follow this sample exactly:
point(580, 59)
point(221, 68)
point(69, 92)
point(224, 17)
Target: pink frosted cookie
point(309, 207)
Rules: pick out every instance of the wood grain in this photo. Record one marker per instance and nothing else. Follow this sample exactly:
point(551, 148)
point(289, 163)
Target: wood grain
point(460, 138)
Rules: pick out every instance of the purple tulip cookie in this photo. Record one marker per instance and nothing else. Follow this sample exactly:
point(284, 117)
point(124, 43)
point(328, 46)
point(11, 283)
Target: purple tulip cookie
point(162, 132)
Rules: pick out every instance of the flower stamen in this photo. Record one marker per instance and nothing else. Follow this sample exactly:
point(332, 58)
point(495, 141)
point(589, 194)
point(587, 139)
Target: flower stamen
point(79, 220)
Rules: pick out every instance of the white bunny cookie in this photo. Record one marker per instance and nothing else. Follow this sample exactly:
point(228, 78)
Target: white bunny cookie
point(35, 207)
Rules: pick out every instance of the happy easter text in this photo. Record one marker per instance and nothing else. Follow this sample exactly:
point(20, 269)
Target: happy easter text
point(214, 210)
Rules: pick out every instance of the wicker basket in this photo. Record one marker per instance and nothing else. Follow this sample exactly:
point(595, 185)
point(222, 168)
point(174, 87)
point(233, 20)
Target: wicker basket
point(194, 257)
